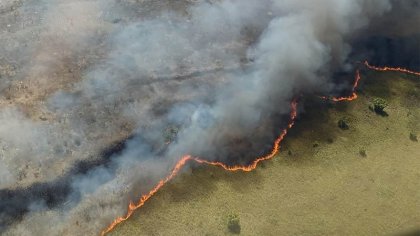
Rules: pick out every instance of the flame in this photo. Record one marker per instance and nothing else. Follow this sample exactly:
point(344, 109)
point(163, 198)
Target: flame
point(134, 206)
point(187, 158)
point(254, 164)
point(246, 168)
point(396, 69)
point(353, 95)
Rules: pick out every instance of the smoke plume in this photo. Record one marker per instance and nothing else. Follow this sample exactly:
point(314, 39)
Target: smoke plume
point(99, 99)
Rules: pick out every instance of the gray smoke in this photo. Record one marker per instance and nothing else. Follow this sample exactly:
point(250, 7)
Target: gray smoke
point(208, 78)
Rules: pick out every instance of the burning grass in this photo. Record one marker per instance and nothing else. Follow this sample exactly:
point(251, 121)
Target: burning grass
point(304, 187)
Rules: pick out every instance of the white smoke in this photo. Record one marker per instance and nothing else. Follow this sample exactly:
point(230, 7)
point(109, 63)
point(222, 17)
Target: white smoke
point(220, 73)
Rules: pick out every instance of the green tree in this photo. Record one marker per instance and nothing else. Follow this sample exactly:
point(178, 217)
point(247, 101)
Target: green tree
point(379, 105)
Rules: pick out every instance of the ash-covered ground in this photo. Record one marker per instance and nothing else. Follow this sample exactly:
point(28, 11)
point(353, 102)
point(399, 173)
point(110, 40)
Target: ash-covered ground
point(99, 99)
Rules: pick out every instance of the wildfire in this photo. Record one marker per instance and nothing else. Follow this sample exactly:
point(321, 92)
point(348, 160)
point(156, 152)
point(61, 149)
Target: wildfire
point(396, 69)
point(276, 147)
point(134, 206)
point(353, 95)
point(181, 163)
point(254, 164)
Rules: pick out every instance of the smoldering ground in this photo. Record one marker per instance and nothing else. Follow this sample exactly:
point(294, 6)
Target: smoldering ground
point(208, 78)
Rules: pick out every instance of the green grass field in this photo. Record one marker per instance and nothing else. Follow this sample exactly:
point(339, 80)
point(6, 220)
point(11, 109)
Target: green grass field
point(320, 183)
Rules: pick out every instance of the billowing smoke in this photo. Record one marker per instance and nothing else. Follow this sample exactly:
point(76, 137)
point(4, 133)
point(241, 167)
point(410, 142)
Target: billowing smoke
point(99, 99)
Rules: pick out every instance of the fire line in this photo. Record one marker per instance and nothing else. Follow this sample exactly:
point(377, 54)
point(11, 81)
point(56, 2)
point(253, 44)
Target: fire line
point(187, 158)
point(276, 147)
point(353, 95)
point(396, 69)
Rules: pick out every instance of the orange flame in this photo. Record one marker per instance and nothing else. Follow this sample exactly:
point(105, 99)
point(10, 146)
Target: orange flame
point(396, 69)
point(276, 147)
point(181, 163)
point(353, 95)
point(254, 164)
point(134, 206)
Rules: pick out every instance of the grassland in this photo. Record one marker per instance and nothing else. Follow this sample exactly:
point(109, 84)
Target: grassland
point(319, 184)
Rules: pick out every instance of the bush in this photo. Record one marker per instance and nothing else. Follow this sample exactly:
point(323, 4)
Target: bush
point(170, 133)
point(343, 123)
point(413, 137)
point(233, 224)
point(362, 152)
point(379, 105)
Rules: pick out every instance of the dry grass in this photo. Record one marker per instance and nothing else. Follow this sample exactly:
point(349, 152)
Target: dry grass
point(325, 190)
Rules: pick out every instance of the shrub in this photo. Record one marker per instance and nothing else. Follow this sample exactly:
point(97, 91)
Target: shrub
point(413, 137)
point(379, 105)
point(233, 223)
point(362, 152)
point(170, 133)
point(343, 123)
